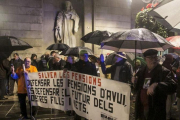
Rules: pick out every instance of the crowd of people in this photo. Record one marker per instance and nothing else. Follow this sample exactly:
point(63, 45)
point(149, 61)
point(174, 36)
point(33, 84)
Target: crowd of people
point(154, 85)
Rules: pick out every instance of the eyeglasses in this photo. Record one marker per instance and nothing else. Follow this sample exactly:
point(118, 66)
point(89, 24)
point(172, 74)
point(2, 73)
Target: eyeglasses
point(152, 57)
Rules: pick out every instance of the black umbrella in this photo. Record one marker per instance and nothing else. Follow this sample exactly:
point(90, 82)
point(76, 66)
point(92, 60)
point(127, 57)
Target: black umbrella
point(74, 51)
point(4, 55)
point(58, 46)
point(135, 40)
point(10, 43)
point(96, 37)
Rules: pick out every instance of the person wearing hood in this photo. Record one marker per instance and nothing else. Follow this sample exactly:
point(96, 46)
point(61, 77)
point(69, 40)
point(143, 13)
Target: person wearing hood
point(121, 70)
point(34, 60)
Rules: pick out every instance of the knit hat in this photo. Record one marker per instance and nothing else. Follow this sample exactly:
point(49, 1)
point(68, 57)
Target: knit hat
point(150, 52)
point(82, 52)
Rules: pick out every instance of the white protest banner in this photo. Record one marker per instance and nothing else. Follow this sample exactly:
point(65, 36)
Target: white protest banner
point(91, 97)
point(48, 89)
point(98, 98)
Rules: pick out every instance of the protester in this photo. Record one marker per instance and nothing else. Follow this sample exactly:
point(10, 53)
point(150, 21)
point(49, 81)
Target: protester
point(34, 60)
point(138, 66)
point(16, 62)
point(58, 63)
point(4, 70)
point(85, 67)
point(22, 91)
point(50, 61)
point(120, 71)
point(152, 84)
point(170, 98)
point(70, 64)
point(42, 64)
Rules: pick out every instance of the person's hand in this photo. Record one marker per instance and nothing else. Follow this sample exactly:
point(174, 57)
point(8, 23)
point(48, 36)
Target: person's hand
point(12, 69)
point(150, 90)
point(133, 79)
point(102, 58)
point(26, 72)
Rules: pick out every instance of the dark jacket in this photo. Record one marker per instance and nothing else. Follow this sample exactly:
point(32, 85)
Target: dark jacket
point(17, 63)
point(70, 66)
point(34, 62)
point(4, 69)
point(42, 65)
point(157, 102)
point(58, 66)
point(125, 73)
point(86, 67)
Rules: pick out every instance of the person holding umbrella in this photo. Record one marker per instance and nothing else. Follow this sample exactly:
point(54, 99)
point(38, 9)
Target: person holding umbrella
point(121, 71)
point(152, 85)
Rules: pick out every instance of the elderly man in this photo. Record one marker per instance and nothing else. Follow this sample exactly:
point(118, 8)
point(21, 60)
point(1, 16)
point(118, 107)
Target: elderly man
point(152, 85)
point(121, 71)
point(58, 63)
point(22, 91)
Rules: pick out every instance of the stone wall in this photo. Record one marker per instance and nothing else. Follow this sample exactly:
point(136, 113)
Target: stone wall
point(22, 19)
point(33, 21)
point(111, 15)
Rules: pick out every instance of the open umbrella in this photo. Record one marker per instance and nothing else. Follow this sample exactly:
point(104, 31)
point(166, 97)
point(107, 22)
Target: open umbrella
point(74, 51)
point(10, 43)
point(96, 37)
point(58, 46)
point(135, 40)
point(174, 40)
point(167, 13)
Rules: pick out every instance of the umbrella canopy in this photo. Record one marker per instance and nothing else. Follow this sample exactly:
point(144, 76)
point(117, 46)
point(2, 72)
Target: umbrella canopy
point(10, 43)
point(174, 40)
point(4, 55)
point(96, 37)
point(58, 46)
point(167, 13)
point(74, 51)
point(135, 40)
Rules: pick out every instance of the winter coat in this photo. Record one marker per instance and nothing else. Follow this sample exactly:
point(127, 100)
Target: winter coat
point(17, 63)
point(157, 102)
point(86, 67)
point(70, 66)
point(58, 66)
point(125, 72)
point(42, 65)
point(4, 69)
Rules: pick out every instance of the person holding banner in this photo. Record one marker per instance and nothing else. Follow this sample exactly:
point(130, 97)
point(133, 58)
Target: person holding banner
point(86, 67)
point(121, 71)
point(22, 91)
point(58, 63)
point(152, 84)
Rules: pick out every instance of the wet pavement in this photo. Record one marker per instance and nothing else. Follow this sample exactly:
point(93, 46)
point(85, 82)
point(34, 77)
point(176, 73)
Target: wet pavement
point(9, 110)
